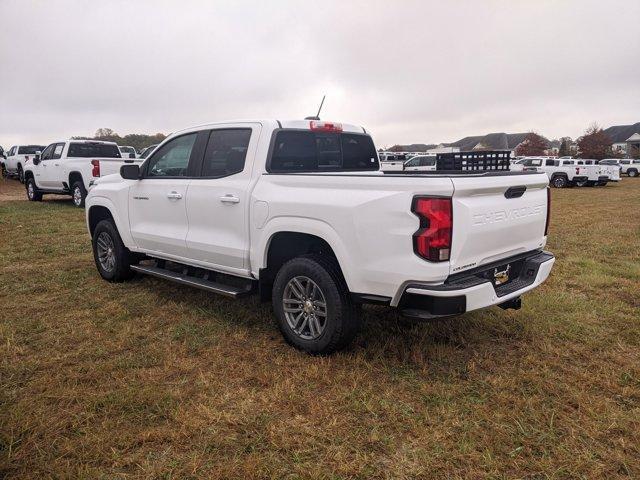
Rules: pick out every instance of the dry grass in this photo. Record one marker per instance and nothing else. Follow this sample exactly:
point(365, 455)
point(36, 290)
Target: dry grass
point(151, 380)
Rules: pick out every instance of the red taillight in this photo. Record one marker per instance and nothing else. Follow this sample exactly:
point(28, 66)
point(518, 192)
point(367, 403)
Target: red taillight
point(433, 240)
point(546, 224)
point(325, 126)
point(95, 171)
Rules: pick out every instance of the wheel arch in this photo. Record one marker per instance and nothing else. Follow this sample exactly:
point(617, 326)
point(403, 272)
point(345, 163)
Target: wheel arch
point(101, 208)
point(283, 244)
point(75, 176)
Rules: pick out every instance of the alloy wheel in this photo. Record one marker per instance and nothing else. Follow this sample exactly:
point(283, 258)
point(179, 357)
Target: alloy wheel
point(106, 251)
point(77, 196)
point(305, 308)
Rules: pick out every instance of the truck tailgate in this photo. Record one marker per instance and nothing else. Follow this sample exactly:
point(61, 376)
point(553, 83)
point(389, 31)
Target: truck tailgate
point(496, 217)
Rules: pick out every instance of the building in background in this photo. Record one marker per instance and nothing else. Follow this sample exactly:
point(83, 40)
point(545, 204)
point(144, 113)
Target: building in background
point(625, 138)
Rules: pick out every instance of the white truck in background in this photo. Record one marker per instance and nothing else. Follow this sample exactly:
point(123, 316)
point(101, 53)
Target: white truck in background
point(611, 171)
point(560, 175)
point(420, 163)
point(596, 174)
point(300, 212)
point(128, 152)
point(628, 166)
point(17, 158)
point(70, 167)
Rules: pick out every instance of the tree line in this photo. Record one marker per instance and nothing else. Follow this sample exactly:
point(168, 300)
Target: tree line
point(138, 141)
point(594, 143)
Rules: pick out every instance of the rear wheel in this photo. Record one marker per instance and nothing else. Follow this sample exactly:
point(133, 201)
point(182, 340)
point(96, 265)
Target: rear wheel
point(4, 170)
point(20, 174)
point(32, 191)
point(312, 303)
point(112, 258)
point(78, 193)
point(559, 181)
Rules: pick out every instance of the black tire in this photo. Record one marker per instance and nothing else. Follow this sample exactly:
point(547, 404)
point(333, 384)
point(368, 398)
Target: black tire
point(4, 170)
point(559, 181)
point(33, 194)
point(342, 321)
point(20, 174)
point(632, 173)
point(119, 270)
point(78, 194)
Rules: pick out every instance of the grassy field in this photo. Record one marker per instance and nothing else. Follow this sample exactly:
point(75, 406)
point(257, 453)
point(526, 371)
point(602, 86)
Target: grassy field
point(147, 379)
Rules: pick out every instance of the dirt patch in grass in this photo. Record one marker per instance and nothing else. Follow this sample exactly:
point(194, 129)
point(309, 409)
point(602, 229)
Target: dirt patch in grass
point(147, 379)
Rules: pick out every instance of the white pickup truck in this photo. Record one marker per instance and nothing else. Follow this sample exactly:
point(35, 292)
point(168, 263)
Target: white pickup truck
point(420, 163)
point(17, 158)
point(299, 211)
point(596, 175)
point(560, 175)
point(128, 152)
point(628, 166)
point(70, 168)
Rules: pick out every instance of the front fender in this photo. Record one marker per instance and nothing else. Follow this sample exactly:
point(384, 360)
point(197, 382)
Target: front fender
point(122, 222)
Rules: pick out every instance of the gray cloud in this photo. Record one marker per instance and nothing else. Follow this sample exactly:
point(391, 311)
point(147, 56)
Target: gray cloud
point(410, 71)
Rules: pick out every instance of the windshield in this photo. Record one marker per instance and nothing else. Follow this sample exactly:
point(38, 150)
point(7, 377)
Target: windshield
point(101, 150)
point(147, 151)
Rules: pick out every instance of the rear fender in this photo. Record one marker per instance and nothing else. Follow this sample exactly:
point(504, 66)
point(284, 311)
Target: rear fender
point(300, 225)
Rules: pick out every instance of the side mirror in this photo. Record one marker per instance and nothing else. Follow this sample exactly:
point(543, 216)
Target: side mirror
point(36, 157)
point(130, 172)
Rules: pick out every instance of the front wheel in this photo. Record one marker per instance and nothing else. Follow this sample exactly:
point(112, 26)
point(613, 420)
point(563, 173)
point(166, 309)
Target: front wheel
point(20, 174)
point(559, 181)
point(32, 191)
point(79, 194)
point(4, 170)
point(112, 258)
point(312, 303)
point(632, 173)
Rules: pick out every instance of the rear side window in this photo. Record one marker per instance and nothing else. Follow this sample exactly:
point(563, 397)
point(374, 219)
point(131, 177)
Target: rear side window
point(86, 150)
point(30, 149)
point(226, 152)
point(306, 151)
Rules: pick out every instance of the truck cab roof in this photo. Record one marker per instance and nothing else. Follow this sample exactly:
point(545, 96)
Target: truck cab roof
point(279, 124)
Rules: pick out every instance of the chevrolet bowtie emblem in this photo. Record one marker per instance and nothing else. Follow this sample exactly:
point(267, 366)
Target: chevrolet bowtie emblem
point(501, 277)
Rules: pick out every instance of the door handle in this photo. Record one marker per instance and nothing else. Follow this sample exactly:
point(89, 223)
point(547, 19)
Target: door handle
point(174, 196)
point(228, 198)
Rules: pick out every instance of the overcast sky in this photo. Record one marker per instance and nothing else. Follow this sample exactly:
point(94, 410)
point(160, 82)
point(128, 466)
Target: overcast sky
point(423, 71)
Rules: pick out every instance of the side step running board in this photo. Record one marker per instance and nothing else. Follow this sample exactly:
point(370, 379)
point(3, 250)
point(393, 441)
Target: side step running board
point(192, 281)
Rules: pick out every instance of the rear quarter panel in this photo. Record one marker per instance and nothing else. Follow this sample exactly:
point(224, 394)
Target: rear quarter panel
point(366, 219)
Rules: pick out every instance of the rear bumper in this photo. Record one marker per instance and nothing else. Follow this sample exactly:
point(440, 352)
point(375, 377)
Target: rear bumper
point(476, 290)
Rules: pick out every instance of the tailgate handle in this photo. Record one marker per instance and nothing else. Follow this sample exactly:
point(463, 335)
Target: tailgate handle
point(515, 192)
